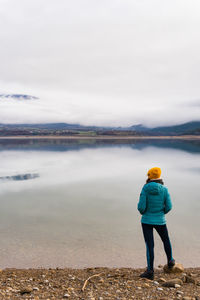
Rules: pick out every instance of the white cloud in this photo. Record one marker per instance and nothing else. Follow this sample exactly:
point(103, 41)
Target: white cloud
point(100, 62)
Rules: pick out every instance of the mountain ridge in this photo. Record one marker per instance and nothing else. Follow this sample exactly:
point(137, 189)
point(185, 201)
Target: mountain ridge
point(189, 128)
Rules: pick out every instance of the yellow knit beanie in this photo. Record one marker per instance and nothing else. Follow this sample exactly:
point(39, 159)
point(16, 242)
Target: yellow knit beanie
point(154, 173)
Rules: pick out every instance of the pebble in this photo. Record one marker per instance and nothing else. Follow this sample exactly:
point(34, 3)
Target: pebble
point(180, 292)
point(172, 282)
point(146, 285)
point(66, 296)
point(26, 290)
point(35, 288)
point(159, 289)
point(177, 285)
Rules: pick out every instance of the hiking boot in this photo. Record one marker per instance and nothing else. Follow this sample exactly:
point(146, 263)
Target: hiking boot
point(171, 263)
point(149, 274)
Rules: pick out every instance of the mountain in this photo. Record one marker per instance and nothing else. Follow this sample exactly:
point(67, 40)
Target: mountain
point(185, 128)
point(57, 126)
point(190, 128)
point(17, 97)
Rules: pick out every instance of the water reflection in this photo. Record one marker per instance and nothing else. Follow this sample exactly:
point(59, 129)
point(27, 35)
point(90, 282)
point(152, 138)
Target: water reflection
point(81, 210)
point(192, 146)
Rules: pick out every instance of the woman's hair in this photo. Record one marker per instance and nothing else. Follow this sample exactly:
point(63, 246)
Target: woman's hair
point(148, 179)
point(159, 180)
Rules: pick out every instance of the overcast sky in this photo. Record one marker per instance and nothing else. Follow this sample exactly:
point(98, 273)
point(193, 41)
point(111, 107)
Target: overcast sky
point(100, 62)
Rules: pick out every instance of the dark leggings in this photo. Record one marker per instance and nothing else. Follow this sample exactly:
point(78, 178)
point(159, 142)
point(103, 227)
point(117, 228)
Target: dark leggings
point(149, 240)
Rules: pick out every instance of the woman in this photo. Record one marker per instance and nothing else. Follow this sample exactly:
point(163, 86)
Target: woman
point(153, 204)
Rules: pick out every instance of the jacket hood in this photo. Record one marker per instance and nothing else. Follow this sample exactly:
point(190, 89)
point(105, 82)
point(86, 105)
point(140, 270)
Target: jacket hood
point(153, 188)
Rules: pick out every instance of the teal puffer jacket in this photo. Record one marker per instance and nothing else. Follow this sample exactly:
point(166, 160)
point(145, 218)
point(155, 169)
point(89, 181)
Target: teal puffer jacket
point(154, 203)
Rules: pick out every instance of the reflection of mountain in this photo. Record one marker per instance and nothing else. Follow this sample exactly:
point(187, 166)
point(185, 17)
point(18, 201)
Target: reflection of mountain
point(20, 177)
point(61, 145)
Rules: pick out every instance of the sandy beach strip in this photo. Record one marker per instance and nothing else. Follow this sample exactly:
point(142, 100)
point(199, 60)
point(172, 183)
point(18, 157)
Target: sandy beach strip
point(109, 137)
point(97, 284)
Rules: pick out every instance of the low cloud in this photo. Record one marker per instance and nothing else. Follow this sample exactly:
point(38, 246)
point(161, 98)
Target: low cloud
point(88, 110)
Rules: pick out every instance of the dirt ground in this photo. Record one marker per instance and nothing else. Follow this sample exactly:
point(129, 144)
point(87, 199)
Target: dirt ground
point(97, 284)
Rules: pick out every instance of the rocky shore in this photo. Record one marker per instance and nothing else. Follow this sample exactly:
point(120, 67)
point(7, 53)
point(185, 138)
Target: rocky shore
point(99, 284)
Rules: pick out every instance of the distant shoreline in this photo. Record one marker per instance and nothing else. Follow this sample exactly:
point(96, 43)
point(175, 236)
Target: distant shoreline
point(102, 137)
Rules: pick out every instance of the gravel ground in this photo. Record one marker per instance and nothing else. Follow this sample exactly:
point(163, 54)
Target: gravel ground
point(97, 284)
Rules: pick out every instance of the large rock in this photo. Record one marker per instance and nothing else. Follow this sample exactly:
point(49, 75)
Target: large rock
point(177, 268)
point(173, 282)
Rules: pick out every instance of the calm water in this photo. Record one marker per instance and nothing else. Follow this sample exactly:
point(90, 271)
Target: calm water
point(73, 203)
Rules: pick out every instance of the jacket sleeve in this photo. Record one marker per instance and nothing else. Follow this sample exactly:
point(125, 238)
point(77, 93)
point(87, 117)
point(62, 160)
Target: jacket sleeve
point(168, 202)
point(142, 202)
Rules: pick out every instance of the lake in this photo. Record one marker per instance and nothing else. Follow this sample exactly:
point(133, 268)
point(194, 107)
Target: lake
point(73, 203)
